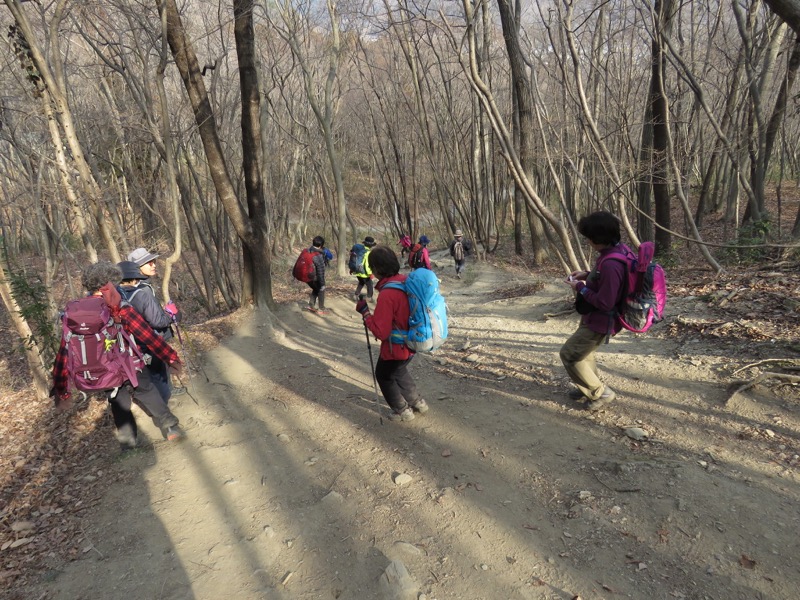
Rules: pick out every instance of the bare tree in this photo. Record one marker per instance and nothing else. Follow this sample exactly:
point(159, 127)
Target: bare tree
point(251, 229)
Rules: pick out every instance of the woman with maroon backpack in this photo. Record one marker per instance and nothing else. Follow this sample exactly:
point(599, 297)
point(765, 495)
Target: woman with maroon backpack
point(127, 385)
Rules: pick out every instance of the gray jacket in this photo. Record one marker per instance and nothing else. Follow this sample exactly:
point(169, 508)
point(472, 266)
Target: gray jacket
point(143, 298)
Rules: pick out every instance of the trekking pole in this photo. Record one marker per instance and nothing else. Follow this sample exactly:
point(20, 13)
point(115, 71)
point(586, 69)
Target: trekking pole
point(186, 354)
point(371, 361)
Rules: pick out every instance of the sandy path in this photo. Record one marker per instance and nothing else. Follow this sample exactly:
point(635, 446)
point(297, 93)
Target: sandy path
point(284, 488)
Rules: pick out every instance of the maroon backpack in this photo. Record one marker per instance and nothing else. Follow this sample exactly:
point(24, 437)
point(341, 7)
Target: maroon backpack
point(101, 355)
point(304, 269)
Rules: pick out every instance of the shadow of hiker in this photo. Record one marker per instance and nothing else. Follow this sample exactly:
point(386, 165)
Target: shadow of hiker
point(126, 551)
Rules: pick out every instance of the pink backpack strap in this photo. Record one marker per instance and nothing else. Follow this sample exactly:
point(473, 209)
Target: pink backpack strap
point(646, 252)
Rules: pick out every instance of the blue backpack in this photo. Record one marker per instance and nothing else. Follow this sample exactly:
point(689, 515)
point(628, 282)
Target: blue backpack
point(427, 321)
point(356, 261)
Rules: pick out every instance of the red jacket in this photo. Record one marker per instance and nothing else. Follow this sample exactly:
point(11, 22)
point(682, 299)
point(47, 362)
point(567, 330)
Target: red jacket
point(391, 312)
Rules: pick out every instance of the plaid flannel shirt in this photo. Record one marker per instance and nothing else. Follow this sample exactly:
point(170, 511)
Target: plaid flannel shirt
point(135, 325)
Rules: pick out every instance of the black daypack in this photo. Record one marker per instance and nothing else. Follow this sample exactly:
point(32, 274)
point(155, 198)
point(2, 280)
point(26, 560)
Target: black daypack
point(416, 259)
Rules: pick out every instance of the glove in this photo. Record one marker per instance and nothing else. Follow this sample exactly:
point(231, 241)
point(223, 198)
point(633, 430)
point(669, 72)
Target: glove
point(362, 307)
point(176, 368)
point(171, 310)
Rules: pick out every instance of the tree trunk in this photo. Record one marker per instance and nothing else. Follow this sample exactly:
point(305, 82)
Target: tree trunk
point(259, 278)
point(663, 14)
point(246, 229)
point(57, 92)
point(32, 355)
point(524, 102)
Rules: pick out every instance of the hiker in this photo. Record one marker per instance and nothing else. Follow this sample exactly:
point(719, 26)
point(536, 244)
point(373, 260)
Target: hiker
point(140, 294)
point(419, 257)
point(317, 285)
point(459, 250)
point(598, 291)
point(160, 319)
point(392, 312)
point(362, 269)
point(405, 245)
point(100, 281)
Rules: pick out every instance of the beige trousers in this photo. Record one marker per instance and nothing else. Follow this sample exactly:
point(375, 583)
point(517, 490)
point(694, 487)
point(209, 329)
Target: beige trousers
point(577, 354)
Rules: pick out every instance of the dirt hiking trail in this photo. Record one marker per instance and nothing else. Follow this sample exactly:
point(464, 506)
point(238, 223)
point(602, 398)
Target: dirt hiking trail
point(291, 482)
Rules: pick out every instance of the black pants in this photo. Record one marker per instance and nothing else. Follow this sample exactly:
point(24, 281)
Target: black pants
point(362, 281)
point(147, 397)
point(396, 384)
point(317, 293)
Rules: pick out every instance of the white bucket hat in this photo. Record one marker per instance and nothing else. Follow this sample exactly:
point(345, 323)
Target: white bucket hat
point(141, 256)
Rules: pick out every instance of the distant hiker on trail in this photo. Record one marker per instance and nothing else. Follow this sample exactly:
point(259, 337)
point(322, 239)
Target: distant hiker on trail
point(359, 266)
point(392, 312)
point(160, 319)
point(405, 245)
point(419, 257)
point(317, 286)
point(459, 250)
point(598, 291)
point(142, 297)
point(89, 359)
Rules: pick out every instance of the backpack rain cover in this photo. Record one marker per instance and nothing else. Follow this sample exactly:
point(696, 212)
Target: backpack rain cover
point(427, 321)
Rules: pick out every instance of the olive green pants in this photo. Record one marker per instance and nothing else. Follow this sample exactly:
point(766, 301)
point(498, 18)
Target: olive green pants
point(577, 354)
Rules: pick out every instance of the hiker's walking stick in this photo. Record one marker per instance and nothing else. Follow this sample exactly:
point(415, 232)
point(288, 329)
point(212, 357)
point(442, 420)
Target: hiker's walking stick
point(371, 361)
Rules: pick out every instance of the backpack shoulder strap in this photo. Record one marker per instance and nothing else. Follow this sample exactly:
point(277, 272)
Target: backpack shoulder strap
point(394, 285)
point(624, 255)
point(130, 296)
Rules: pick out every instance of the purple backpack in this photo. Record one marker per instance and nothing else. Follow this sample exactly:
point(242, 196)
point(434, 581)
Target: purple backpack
point(101, 355)
point(645, 291)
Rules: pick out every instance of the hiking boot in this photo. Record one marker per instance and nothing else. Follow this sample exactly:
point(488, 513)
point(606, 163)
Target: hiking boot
point(404, 415)
point(575, 394)
point(126, 438)
point(127, 446)
point(458, 275)
point(173, 433)
point(176, 390)
point(606, 398)
point(126, 443)
point(421, 407)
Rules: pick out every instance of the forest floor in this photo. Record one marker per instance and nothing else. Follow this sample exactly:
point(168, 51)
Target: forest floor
point(287, 485)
